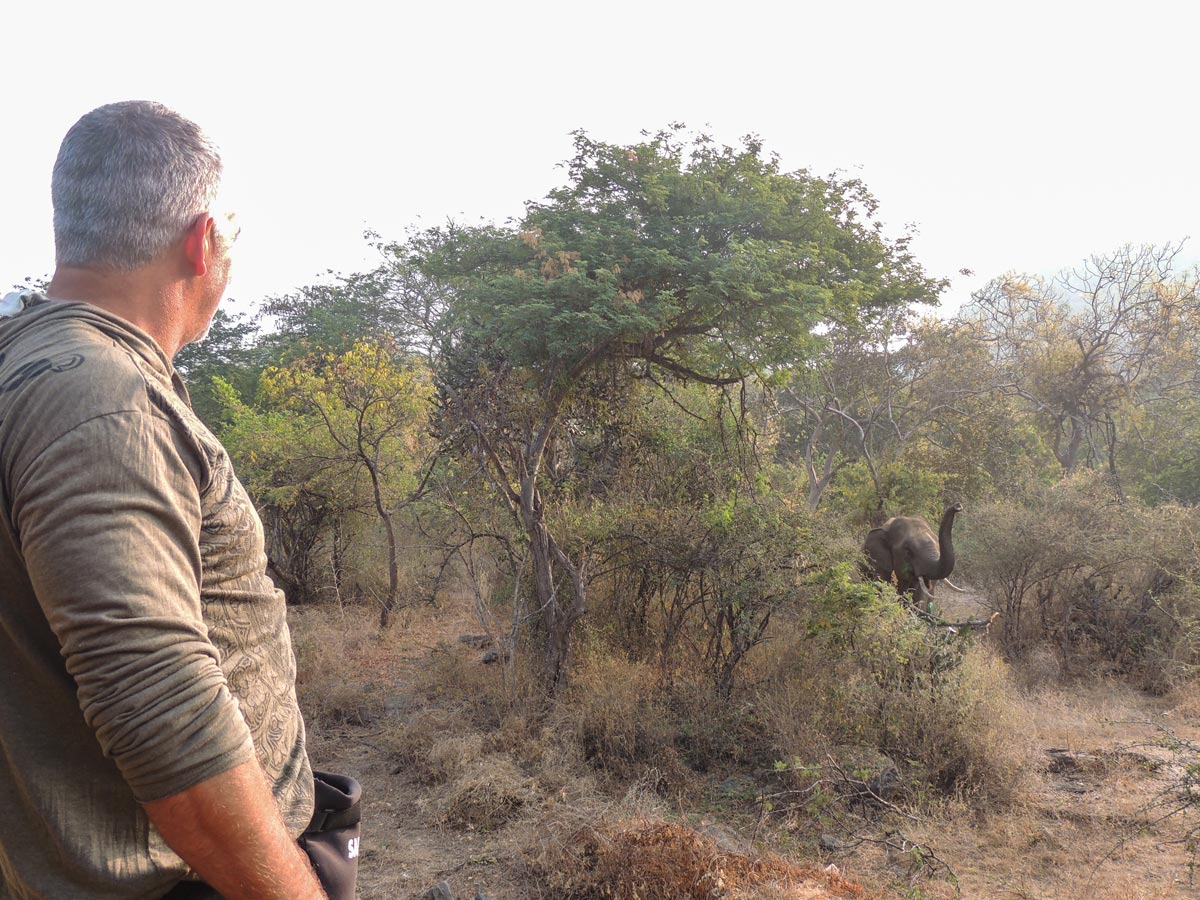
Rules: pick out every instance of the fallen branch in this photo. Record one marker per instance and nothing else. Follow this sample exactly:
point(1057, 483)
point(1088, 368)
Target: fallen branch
point(922, 854)
point(935, 619)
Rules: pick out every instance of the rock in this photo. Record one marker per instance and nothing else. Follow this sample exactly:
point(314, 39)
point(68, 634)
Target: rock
point(829, 842)
point(1065, 760)
point(440, 891)
point(884, 784)
point(726, 839)
point(739, 786)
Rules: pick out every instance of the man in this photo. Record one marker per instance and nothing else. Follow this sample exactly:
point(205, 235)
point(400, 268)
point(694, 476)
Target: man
point(149, 731)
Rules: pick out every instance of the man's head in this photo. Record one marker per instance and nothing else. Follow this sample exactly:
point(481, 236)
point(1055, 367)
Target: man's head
point(136, 228)
point(130, 179)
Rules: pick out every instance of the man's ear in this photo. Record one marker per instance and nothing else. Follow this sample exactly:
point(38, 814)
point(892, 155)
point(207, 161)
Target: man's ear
point(196, 246)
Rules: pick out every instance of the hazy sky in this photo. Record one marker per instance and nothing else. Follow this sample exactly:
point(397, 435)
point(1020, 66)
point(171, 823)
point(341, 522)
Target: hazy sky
point(1014, 136)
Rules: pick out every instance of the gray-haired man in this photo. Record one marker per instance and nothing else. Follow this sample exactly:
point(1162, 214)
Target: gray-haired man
point(149, 730)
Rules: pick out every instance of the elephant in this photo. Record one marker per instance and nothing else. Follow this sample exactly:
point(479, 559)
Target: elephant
point(905, 550)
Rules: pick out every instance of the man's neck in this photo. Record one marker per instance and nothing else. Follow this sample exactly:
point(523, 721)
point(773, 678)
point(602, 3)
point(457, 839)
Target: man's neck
point(143, 298)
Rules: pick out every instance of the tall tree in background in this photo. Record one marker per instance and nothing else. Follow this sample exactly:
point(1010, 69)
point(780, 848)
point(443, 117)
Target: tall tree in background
point(1086, 349)
point(668, 260)
point(231, 352)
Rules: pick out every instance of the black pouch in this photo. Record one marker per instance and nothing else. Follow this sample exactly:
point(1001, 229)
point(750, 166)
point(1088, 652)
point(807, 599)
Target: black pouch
point(331, 839)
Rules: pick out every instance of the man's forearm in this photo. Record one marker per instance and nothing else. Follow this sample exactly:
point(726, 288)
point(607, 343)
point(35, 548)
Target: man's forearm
point(228, 829)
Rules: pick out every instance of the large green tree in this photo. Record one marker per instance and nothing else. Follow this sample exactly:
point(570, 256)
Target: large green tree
point(673, 259)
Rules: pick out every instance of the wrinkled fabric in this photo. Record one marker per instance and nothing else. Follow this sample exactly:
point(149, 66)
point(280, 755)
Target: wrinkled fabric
point(143, 649)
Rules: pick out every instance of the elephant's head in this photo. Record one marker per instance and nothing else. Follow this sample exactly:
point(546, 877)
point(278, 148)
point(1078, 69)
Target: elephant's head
point(906, 550)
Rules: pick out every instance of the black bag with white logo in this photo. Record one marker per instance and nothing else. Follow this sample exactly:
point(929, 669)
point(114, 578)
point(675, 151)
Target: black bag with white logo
point(331, 839)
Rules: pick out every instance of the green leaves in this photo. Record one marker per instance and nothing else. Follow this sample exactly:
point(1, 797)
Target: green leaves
point(702, 260)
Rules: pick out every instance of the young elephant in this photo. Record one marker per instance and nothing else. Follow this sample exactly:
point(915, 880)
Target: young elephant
point(905, 550)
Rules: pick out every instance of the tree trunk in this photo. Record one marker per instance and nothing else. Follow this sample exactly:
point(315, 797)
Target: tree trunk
point(389, 602)
point(338, 561)
point(558, 614)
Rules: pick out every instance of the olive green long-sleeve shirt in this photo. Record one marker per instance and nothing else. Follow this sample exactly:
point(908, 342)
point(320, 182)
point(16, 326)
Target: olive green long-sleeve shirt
point(143, 649)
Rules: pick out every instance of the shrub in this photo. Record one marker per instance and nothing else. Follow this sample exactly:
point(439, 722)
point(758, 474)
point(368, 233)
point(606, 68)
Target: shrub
point(613, 714)
point(485, 792)
point(1101, 578)
point(866, 673)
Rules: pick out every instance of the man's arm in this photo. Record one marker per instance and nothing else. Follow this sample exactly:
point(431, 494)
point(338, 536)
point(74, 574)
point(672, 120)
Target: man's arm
point(229, 831)
point(109, 519)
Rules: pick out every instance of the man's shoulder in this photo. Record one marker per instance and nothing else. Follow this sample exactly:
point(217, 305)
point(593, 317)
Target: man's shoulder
point(59, 374)
point(66, 367)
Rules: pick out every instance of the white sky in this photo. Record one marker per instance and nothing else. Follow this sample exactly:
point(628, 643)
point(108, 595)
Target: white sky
point(1015, 136)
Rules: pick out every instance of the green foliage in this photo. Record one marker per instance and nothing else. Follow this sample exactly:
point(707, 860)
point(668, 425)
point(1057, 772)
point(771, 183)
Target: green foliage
point(1163, 460)
point(228, 352)
point(331, 438)
point(368, 405)
point(695, 258)
point(343, 311)
point(904, 488)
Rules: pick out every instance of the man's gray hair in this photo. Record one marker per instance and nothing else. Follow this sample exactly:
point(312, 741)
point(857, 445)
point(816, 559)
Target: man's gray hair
point(130, 179)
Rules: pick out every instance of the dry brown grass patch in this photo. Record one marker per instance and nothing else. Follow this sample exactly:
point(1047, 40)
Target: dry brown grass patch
point(650, 859)
point(613, 713)
point(425, 746)
point(343, 663)
point(486, 793)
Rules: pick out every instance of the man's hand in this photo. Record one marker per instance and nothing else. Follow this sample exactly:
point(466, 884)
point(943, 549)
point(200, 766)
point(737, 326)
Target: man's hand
point(229, 831)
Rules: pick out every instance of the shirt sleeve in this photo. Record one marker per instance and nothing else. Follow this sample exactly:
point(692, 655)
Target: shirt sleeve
point(108, 518)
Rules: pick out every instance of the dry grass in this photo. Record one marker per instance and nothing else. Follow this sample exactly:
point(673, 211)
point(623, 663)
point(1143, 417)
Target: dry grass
point(338, 660)
point(486, 793)
point(652, 859)
point(1076, 831)
point(616, 720)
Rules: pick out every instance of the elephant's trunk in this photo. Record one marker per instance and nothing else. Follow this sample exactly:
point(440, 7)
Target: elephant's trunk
point(945, 563)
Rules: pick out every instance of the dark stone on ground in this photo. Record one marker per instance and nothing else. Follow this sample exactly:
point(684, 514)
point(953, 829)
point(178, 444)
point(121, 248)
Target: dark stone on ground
point(829, 842)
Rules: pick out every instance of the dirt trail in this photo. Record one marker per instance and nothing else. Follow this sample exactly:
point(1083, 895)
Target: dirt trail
point(403, 853)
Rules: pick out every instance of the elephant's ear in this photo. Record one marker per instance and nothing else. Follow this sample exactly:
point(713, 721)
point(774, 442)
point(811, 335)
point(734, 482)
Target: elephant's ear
point(879, 551)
